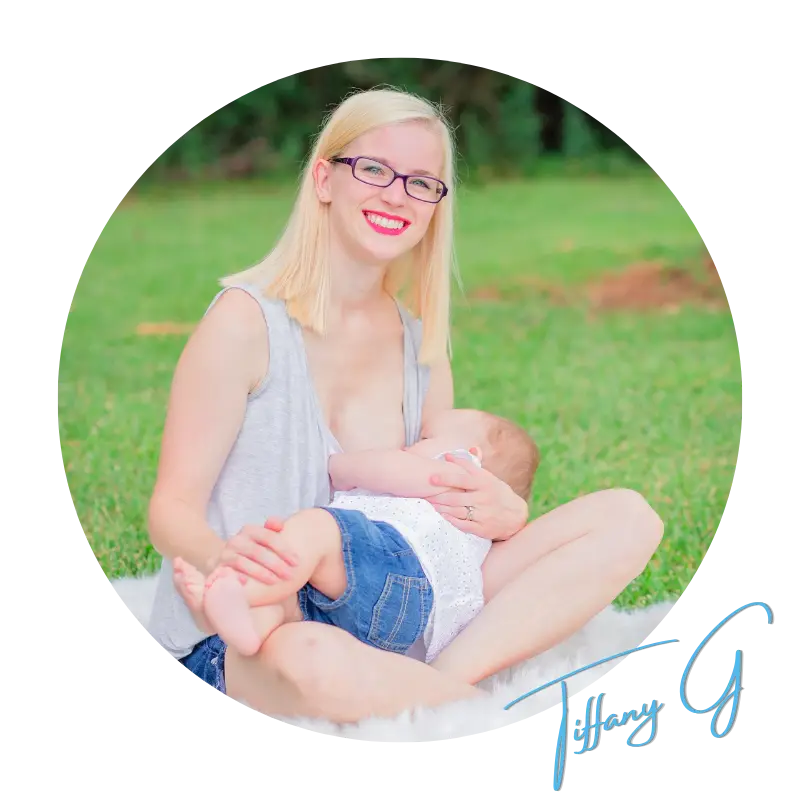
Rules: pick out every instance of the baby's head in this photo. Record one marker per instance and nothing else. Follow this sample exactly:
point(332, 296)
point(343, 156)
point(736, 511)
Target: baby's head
point(503, 448)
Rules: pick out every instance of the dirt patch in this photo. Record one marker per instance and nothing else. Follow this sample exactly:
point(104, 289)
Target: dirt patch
point(652, 285)
point(494, 293)
point(164, 328)
point(486, 294)
point(642, 286)
point(554, 293)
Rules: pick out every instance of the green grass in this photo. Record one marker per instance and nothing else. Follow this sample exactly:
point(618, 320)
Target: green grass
point(646, 400)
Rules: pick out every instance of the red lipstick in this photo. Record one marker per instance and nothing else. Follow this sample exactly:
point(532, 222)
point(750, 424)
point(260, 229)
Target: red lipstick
point(380, 228)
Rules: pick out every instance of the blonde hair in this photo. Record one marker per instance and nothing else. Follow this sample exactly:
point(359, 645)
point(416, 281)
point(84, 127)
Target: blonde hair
point(297, 271)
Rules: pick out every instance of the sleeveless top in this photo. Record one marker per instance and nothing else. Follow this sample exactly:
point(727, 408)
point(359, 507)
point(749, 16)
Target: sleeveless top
point(278, 464)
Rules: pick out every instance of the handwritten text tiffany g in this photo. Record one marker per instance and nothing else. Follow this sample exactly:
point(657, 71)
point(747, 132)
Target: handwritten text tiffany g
point(589, 727)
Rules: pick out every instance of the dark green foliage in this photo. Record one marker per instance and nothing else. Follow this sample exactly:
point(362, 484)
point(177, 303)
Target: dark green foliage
point(266, 130)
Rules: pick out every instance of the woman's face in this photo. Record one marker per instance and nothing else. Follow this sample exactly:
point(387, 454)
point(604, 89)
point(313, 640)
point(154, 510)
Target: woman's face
point(365, 218)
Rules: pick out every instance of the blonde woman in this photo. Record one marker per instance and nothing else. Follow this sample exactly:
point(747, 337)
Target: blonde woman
point(338, 341)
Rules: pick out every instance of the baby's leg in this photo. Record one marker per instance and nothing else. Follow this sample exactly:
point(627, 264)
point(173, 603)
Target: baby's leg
point(229, 603)
point(265, 619)
point(191, 585)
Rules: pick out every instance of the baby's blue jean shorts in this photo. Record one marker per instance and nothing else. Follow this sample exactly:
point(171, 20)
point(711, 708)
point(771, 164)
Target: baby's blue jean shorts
point(207, 661)
point(387, 602)
point(388, 599)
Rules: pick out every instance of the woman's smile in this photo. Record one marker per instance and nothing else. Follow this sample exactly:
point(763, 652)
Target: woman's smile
point(387, 224)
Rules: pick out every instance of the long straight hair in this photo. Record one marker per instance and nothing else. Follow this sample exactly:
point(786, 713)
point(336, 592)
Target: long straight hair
point(297, 269)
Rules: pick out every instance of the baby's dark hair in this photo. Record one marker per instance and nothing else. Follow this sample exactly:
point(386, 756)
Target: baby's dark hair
point(512, 455)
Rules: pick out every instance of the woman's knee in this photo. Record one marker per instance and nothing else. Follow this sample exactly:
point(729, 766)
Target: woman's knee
point(637, 526)
point(313, 659)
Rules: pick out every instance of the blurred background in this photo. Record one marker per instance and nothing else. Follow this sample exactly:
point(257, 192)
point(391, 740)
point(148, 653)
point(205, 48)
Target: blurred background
point(505, 127)
point(589, 308)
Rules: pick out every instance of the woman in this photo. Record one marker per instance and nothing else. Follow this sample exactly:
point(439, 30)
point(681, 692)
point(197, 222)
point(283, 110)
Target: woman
point(309, 352)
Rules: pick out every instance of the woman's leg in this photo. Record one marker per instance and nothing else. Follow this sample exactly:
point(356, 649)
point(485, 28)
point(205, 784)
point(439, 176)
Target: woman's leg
point(551, 578)
point(536, 597)
point(308, 669)
point(316, 670)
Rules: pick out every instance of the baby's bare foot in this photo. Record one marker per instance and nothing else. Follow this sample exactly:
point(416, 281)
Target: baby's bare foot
point(226, 606)
point(190, 584)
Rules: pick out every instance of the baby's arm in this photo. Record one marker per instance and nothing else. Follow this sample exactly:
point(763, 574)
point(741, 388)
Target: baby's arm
point(390, 472)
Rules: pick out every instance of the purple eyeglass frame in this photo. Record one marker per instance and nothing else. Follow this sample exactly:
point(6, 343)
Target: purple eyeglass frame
point(351, 162)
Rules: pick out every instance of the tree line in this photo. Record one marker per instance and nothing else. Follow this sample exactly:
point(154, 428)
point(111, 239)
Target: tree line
point(504, 127)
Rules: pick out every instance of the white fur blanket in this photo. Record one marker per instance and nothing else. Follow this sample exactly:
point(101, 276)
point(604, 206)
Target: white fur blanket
point(610, 632)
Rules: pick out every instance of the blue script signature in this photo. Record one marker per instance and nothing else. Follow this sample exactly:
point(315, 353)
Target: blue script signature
point(588, 730)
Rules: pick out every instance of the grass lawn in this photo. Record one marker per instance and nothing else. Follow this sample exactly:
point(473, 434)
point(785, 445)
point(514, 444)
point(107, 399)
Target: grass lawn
point(649, 400)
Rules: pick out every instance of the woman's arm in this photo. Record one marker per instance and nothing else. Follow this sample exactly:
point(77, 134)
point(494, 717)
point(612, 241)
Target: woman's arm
point(389, 472)
point(224, 359)
point(440, 390)
point(497, 513)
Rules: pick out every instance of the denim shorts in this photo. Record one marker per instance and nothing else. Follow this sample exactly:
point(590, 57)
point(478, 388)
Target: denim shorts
point(388, 598)
point(207, 661)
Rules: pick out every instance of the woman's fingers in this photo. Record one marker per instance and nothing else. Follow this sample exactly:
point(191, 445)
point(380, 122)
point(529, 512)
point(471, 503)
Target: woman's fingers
point(275, 543)
point(469, 466)
point(274, 524)
point(464, 482)
point(450, 500)
point(459, 511)
point(463, 524)
point(468, 480)
point(261, 547)
point(254, 570)
point(264, 570)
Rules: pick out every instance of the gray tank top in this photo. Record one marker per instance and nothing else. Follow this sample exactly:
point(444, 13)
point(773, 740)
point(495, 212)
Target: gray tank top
point(278, 463)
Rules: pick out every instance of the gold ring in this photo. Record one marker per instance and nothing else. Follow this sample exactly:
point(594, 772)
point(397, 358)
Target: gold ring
point(470, 509)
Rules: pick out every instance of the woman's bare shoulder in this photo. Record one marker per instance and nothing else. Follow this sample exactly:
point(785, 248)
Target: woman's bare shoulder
point(235, 326)
point(239, 313)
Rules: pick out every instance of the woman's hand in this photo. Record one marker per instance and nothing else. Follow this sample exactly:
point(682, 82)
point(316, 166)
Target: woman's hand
point(497, 512)
point(259, 553)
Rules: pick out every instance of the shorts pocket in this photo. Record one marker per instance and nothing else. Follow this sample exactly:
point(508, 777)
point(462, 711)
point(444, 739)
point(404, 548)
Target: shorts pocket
point(400, 614)
point(393, 542)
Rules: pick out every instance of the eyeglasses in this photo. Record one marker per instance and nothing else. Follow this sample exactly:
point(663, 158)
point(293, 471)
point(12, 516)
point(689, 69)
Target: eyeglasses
point(420, 187)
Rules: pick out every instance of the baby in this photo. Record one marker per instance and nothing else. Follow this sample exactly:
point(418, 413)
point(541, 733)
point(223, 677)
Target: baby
point(379, 562)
